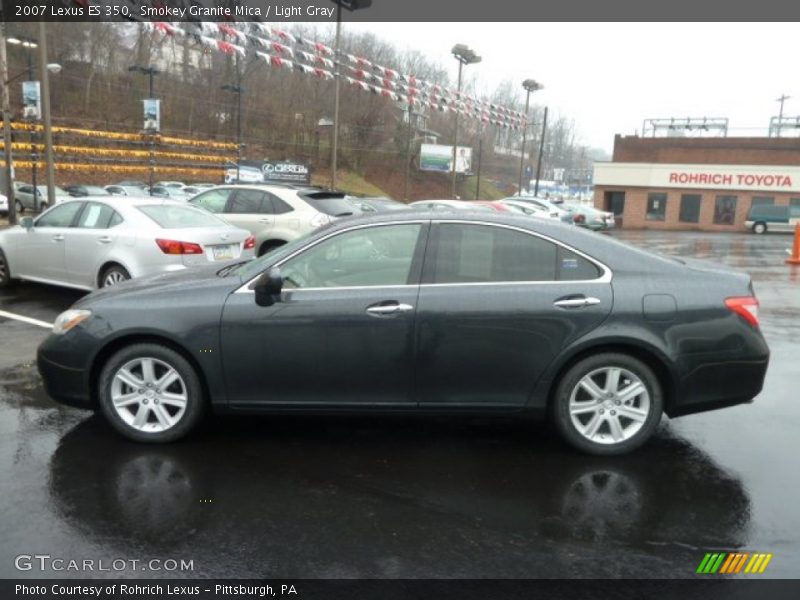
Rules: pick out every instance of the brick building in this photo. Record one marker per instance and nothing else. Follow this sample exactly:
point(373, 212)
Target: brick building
point(696, 183)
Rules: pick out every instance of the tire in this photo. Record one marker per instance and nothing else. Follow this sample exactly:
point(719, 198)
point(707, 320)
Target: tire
point(612, 433)
point(43, 207)
point(112, 276)
point(181, 404)
point(20, 208)
point(760, 228)
point(5, 271)
point(267, 246)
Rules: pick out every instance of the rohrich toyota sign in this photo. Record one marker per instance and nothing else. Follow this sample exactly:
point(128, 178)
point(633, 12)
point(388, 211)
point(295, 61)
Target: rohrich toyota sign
point(720, 177)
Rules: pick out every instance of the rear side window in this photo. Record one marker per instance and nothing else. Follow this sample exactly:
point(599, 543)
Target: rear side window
point(335, 205)
point(485, 254)
point(250, 202)
point(179, 217)
point(573, 267)
point(97, 216)
point(213, 201)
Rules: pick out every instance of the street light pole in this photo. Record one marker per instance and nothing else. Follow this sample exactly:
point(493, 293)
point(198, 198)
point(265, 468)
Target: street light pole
point(541, 151)
point(410, 135)
point(530, 86)
point(48, 131)
point(8, 171)
point(465, 56)
point(237, 89)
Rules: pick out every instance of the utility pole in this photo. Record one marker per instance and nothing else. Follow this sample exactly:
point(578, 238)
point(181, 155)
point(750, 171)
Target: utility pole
point(465, 56)
point(48, 131)
point(337, 76)
point(409, 136)
point(782, 99)
point(7, 169)
point(480, 159)
point(541, 151)
point(530, 86)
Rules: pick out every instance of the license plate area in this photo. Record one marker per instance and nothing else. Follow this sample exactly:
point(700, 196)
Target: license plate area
point(223, 252)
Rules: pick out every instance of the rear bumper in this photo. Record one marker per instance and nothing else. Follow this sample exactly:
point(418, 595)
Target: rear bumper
point(718, 385)
point(64, 384)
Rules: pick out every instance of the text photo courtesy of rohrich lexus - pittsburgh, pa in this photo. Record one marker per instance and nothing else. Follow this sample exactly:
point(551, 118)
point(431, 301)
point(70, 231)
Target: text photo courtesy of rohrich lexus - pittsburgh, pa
point(422, 299)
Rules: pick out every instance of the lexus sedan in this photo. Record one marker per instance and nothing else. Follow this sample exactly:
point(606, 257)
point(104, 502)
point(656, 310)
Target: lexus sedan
point(419, 312)
point(100, 241)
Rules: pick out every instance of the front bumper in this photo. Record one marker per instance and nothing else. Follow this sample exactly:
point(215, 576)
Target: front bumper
point(67, 385)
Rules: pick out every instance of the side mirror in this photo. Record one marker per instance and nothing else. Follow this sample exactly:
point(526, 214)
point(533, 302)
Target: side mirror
point(26, 222)
point(268, 287)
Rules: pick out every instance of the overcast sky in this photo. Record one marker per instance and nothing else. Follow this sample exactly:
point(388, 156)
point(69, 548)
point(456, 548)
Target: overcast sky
point(610, 77)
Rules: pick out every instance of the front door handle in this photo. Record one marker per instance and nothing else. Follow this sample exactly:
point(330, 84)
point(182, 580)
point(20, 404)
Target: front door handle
point(58, 238)
point(105, 240)
point(389, 309)
point(265, 220)
point(578, 302)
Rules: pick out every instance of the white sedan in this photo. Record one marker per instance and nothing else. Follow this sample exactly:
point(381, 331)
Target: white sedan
point(3, 205)
point(93, 243)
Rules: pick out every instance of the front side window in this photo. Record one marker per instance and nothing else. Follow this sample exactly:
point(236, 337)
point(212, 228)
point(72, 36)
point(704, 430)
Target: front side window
point(375, 256)
point(762, 200)
point(725, 210)
point(483, 254)
point(61, 216)
point(213, 201)
point(656, 207)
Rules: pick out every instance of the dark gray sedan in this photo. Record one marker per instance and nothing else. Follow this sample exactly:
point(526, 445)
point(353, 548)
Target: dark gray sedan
point(476, 313)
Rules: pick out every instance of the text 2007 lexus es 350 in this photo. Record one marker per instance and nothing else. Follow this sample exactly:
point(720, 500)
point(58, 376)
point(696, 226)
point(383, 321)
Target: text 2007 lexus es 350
point(418, 312)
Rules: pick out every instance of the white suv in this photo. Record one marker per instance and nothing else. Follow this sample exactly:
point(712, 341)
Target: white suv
point(274, 214)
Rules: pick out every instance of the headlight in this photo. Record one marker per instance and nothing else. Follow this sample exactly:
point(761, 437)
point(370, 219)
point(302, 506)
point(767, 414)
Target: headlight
point(68, 319)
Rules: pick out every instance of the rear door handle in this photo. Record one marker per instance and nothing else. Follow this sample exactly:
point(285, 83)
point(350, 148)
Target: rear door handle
point(58, 238)
point(576, 302)
point(105, 240)
point(389, 309)
point(265, 220)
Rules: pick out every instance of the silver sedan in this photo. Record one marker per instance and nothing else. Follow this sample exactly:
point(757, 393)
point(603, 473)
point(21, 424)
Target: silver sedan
point(93, 243)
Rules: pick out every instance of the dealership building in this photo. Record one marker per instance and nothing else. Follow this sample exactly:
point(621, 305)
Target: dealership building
point(696, 183)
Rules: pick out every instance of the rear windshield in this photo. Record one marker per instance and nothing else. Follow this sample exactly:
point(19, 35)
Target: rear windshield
point(179, 217)
point(330, 203)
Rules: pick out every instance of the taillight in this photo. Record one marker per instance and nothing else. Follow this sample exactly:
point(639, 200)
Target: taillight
point(579, 218)
point(177, 247)
point(320, 219)
point(744, 306)
point(250, 243)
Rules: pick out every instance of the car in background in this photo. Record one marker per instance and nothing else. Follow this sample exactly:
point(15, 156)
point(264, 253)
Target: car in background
point(171, 184)
point(530, 209)
point(192, 190)
point(94, 243)
point(425, 312)
point(172, 193)
point(24, 197)
point(274, 214)
point(584, 215)
point(769, 217)
point(544, 205)
point(370, 205)
point(3, 205)
point(496, 206)
point(132, 183)
point(203, 184)
point(81, 191)
point(126, 190)
point(450, 205)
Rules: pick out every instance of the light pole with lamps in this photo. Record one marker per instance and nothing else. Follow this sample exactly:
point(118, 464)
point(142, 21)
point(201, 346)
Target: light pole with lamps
point(530, 86)
point(29, 44)
point(351, 5)
point(465, 56)
point(151, 72)
point(238, 90)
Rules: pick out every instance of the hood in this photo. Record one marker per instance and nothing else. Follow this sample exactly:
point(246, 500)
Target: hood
point(176, 282)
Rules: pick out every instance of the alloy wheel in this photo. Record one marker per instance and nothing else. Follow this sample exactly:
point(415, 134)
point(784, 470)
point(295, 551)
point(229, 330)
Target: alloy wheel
point(609, 405)
point(3, 268)
point(113, 277)
point(149, 394)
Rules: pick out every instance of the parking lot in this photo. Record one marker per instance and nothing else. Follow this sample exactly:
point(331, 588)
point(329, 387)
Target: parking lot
point(401, 497)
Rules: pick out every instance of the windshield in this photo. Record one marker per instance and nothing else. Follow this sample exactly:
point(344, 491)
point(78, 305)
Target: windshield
point(180, 217)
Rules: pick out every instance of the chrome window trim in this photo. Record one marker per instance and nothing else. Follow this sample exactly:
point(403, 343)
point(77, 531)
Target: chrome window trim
point(604, 278)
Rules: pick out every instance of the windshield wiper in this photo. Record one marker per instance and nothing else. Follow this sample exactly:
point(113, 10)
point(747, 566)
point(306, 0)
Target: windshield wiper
point(225, 271)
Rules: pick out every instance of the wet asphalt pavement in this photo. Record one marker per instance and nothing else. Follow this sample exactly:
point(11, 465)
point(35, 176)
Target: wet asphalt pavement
point(399, 497)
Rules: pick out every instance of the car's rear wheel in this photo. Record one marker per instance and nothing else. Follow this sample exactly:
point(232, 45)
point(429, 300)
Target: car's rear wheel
point(20, 208)
point(269, 246)
point(760, 227)
point(113, 275)
point(150, 393)
point(608, 404)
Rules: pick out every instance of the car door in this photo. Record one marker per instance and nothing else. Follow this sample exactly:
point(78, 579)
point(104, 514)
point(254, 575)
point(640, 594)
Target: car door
point(342, 333)
point(89, 243)
point(41, 251)
point(497, 305)
point(25, 196)
point(251, 210)
point(214, 201)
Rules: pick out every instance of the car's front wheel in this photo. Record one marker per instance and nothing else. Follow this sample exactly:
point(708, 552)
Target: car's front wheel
point(760, 227)
point(608, 404)
point(5, 271)
point(150, 393)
